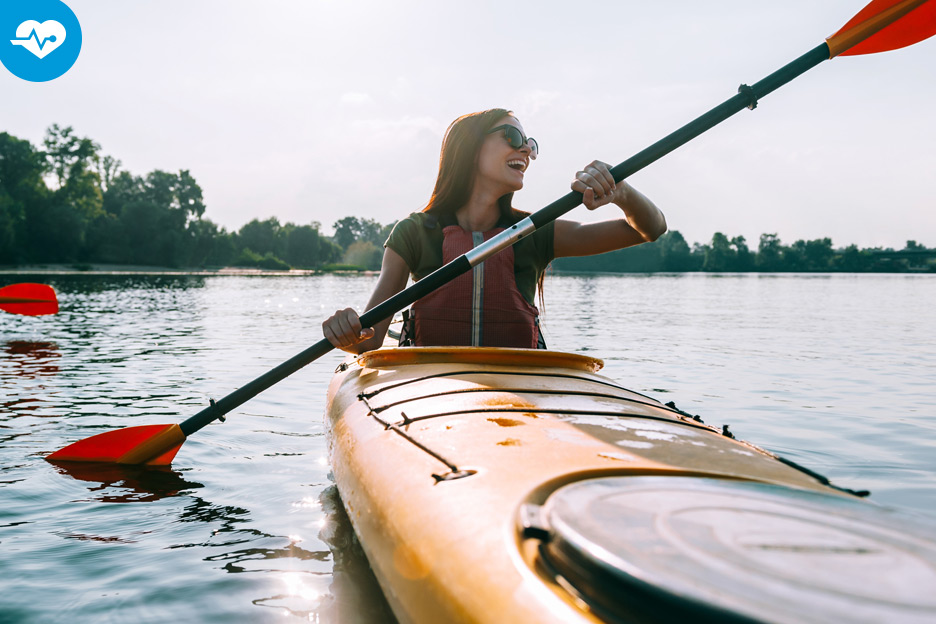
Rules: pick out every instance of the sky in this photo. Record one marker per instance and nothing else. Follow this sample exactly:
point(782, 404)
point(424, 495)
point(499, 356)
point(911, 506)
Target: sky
point(312, 110)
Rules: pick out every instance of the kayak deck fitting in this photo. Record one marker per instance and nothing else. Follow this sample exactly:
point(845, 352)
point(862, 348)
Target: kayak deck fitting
point(518, 485)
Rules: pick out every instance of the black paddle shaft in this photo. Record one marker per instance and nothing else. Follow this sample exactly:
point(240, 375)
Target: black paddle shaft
point(747, 97)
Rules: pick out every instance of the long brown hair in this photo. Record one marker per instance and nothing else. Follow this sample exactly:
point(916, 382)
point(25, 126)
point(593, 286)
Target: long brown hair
point(458, 165)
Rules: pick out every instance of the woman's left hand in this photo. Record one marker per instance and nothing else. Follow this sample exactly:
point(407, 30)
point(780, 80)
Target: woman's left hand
point(596, 185)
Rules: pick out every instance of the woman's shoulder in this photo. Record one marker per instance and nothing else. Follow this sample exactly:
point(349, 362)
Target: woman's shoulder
point(417, 238)
point(416, 221)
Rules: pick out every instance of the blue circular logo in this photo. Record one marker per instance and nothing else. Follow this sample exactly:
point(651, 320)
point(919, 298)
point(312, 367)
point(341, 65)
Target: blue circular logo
point(39, 39)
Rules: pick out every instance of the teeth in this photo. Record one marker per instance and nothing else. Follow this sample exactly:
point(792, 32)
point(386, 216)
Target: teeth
point(519, 164)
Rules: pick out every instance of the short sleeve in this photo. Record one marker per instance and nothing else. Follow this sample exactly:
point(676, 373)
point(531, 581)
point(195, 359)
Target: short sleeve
point(544, 239)
point(404, 240)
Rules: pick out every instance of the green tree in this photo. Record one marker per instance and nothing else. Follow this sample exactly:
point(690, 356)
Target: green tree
point(11, 218)
point(21, 188)
point(249, 258)
point(110, 236)
point(262, 237)
point(674, 252)
point(105, 241)
point(68, 154)
point(55, 232)
point(769, 253)
point(853, 260)
point(56, 229)
point(743, 258)
point(108, 169)
point(644, 258)
point(719, 256)
point(208, 244)
point(351, 229)
point(188, 195)
point(794, 257)
point(150, 235)
point(698, 255)
point(306, 247)
point(818, 254)
point(224, 249)
point(178, 193)
point(363, 253)
point(158, 218)
point(384, 234)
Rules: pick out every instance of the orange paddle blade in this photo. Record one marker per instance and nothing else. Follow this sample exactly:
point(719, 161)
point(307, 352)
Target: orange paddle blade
point(154, 445)
point(28, 299)
point(885, 25)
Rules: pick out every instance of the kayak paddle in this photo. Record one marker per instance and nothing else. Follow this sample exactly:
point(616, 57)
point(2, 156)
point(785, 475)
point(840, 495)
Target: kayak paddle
point(28, 299)
point(882, 25)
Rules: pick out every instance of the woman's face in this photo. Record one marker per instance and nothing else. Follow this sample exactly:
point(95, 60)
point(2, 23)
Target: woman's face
point(501, 166)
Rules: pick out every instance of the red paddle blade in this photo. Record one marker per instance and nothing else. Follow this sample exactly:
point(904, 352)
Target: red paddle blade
point(885, 25)
point(28, 299)
point(154, 445)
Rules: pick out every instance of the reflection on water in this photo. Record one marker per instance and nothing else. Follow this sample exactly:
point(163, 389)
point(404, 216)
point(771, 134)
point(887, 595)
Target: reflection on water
point(352, 595)
point(31, 359)
point(355, 597)
point(24, 367)
point(113, 483)
point(834, 372)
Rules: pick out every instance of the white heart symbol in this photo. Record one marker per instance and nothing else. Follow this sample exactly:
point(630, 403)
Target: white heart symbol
point(40, 39)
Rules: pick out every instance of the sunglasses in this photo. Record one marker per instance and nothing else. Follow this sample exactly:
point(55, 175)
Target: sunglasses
point(516, 139)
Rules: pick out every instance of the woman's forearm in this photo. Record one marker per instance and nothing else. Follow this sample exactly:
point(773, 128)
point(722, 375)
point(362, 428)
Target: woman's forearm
point(640, 213)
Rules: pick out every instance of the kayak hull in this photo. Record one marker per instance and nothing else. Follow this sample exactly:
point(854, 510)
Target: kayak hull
point(438, 455)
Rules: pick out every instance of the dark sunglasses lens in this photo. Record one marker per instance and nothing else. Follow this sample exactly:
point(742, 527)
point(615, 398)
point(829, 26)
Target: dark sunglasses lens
point(513, 137)
point(516, 139)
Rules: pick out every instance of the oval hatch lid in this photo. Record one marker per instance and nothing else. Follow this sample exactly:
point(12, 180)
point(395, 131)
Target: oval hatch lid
point(663, 549)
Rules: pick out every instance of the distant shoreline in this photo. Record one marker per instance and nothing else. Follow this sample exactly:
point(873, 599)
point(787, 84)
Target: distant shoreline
point(129, 269)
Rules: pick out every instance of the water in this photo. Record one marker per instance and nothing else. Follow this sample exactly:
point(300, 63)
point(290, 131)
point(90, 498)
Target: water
point(833, 371)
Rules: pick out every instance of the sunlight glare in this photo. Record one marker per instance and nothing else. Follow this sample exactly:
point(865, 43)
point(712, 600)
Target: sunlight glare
point(307, 502)
point(295, 586)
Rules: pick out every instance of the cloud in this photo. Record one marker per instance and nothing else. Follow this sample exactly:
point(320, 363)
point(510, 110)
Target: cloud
point(534, 102)
point(355, 98)
point(396, 133)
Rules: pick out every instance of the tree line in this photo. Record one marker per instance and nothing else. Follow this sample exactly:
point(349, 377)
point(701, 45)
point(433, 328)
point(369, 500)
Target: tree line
point(67, 202)
point(672, 253)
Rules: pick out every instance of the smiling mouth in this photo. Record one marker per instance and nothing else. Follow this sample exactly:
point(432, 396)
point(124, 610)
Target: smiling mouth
point(519, 165)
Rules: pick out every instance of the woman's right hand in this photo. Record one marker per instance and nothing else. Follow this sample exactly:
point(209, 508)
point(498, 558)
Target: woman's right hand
point(343, 329)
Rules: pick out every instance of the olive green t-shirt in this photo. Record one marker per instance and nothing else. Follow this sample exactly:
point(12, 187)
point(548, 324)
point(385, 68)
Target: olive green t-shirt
point(418, 240)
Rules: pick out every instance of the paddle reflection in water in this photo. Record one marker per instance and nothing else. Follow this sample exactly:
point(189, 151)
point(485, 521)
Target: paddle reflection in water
point(32, 359)
point(113, 483)
point(24, 367)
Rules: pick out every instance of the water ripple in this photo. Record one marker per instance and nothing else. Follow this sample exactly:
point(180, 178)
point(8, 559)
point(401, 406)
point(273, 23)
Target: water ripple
point(834, 372)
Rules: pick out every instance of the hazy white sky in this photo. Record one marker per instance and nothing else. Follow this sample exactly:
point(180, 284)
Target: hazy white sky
point(313, 110)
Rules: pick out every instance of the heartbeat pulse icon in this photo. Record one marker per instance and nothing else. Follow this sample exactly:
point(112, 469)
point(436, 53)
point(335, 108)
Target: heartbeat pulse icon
point(40, 39)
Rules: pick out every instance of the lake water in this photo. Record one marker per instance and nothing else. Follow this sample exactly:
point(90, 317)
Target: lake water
point(836, 372)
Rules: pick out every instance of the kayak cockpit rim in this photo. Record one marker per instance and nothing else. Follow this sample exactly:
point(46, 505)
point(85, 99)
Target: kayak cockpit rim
point(491, 356)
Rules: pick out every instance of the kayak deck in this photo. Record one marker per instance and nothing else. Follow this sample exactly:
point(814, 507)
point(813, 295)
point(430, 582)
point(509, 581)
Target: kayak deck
point(439, 454)
point(405, 387)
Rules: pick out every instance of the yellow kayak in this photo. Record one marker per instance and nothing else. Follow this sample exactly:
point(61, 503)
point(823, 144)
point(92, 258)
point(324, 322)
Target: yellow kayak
point(516, 485)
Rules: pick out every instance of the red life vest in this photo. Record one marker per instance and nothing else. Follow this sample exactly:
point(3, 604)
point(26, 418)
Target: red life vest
point(481, 308)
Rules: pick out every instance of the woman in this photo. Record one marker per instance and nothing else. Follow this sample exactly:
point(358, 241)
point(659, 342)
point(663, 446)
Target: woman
point(484, 157)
